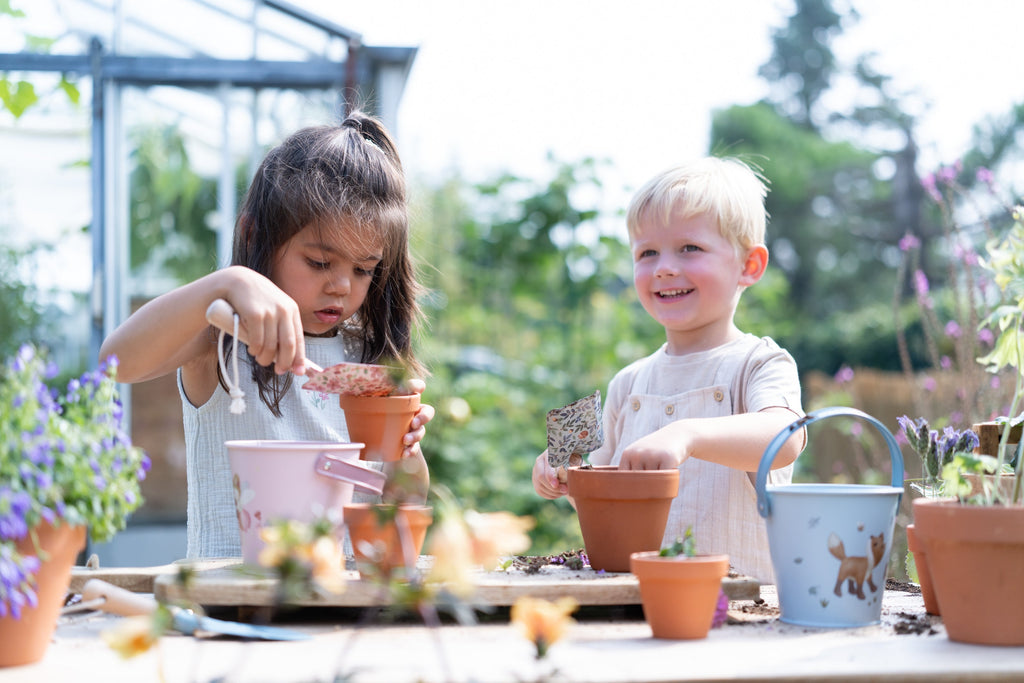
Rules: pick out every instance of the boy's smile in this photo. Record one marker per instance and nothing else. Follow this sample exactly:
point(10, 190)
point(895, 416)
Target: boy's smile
point(689, 277)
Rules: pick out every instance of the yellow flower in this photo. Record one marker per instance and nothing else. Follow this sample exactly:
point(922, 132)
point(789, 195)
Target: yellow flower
point(452, 550)
point(328, 560)
point(132, 635)
point(494, 534)
point(542, 622)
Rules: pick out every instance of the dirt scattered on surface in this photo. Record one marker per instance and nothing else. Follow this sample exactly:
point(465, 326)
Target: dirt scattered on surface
point(913, 624)
point(752, 612)
point(570, 559)
point(902, 586)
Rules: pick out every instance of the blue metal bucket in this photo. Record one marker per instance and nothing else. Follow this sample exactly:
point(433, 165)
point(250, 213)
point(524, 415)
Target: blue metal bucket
point(830, 543)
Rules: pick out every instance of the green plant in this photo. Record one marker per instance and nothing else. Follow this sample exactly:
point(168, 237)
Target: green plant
point(1005, 263)
point(681, 546)
point(64, 459)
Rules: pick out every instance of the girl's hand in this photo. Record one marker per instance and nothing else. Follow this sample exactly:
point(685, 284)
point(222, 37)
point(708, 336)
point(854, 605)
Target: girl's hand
point(273, 325)
point(417, 428)
point(545, 479)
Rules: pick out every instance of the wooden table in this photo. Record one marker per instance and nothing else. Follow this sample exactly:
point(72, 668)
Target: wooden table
point(608, 644)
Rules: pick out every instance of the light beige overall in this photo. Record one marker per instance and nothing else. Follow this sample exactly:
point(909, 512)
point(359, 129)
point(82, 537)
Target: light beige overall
point(746, 375)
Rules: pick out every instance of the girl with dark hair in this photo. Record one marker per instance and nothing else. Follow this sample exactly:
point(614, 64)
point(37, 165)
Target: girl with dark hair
point(320, 270)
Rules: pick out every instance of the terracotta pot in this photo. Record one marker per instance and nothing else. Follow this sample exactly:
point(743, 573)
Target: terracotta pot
point(621, 512)
point(975, 555)
point(924, 576)
point(1005, 483)
point(679, 594)
point(25, 640)
point(379, 422)
point(396, 535)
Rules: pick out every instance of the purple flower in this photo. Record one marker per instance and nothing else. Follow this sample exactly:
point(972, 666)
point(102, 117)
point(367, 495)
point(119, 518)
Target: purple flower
point(986, 337)
point(984, 175)
point(947, 174)
point(908, 242)
point(844, 375)
point(946, 362)
point(953, 329)
point(928, 183)
point(928, 384)
point(721, 610)
point(921, 287)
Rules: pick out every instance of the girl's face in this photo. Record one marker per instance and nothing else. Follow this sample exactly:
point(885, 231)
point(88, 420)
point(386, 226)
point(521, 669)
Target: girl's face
point(327, 273)
point(689, 278)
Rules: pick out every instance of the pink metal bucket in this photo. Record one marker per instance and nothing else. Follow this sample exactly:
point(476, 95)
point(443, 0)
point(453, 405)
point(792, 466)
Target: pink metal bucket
point(298, 480)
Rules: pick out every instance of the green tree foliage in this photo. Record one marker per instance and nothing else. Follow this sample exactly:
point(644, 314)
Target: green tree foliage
point(802, 64)
point(172, 208)
point(21, 313)
point(531, 307)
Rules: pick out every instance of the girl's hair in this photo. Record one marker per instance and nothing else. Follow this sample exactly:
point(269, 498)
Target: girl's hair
point(348, 175)
point(727, 189)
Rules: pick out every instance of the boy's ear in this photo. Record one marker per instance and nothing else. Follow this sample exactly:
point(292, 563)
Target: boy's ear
point(755, 265)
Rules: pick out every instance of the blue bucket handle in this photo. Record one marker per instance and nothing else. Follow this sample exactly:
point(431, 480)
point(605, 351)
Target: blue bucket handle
point(773, 448)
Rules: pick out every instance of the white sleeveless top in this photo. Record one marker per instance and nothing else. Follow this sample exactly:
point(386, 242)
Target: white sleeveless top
point(720, 503)
point(305, 416)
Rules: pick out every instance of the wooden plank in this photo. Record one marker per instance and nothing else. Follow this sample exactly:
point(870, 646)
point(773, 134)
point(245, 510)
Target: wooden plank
point(989, 435)
point(239, 585)
point(140, 579)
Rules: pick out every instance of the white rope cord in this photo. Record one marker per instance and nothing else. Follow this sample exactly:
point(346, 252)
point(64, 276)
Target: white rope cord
point(237, 395)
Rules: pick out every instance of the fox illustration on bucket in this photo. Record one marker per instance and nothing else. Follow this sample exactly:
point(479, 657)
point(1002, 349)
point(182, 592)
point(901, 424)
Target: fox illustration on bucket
point(856, 569)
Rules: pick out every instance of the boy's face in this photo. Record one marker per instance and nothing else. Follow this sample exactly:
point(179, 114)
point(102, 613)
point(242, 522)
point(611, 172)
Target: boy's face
point(689, 277)
point(326, 274)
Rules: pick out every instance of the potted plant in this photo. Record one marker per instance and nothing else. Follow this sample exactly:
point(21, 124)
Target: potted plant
point(975, 542)
point(380, 419)
point(621, 511)
point(65, 465)
point(935, 451)
point(679, 589)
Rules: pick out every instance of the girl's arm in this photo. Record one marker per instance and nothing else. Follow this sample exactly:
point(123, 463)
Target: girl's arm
point(736, 441)
point(171, 331)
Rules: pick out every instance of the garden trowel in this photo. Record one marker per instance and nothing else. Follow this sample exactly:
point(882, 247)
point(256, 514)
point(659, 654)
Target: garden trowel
point(574, 430)
point(114, 600)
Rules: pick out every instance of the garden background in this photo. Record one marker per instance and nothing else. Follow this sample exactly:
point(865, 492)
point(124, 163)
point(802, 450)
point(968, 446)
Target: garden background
point(874, 284)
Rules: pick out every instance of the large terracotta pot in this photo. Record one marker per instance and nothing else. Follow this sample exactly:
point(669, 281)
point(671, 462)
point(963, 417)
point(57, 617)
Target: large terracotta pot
point(397, 534)
point(679, 594)
point(24, 640)
point(379, 422)
point(975, 556)
point(924, 576)
point(621, 511)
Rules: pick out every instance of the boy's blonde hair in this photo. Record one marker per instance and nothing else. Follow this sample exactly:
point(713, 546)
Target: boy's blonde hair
point(727, 189)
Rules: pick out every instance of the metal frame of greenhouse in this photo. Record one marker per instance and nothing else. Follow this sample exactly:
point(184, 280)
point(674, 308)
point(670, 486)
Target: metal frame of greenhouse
point(364, 74)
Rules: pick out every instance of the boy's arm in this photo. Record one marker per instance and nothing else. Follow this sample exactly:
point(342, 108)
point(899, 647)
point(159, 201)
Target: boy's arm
point(171, 331)
point(736, 441)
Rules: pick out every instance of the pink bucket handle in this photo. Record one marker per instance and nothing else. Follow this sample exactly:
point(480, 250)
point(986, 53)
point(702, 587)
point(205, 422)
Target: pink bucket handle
point(364, 478)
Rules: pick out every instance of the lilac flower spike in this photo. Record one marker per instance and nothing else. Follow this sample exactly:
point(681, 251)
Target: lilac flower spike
point(908, 242)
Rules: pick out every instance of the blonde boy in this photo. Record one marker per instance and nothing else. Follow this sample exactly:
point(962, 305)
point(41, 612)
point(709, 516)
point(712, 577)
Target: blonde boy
point(712, 397)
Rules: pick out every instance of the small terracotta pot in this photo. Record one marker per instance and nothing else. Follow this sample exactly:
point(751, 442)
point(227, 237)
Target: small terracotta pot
point(379, 422)
point(621, 511)
point(25, 640)
point(396, 535)
point(679, 594)
point(975, 555)
point(924, 576)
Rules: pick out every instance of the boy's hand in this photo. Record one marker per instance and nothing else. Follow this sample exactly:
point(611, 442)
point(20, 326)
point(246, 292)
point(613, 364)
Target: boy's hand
point(545, 479)
point(653, 452)
point(417, 428)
